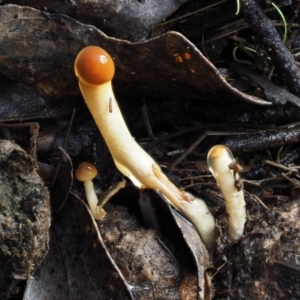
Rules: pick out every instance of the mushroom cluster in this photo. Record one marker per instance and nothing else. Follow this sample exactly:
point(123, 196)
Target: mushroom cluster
point(94, 69)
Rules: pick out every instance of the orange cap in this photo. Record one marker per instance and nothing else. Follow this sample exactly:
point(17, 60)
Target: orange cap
point(86, 171)
point(94, 66)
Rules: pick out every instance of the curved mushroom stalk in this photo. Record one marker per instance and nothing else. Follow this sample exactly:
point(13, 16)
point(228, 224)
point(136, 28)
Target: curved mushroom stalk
point(131, 160)
point(198, 213)
point(220, 161)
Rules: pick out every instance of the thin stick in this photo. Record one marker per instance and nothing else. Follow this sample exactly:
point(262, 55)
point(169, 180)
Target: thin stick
point(63, 146)
point(147, 121)
point(198, 141)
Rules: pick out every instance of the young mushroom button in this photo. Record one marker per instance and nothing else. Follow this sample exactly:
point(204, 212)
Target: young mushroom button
point(94, 69)
point(86, 172)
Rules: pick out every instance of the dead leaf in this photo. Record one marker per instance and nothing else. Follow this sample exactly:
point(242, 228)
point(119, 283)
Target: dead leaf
point(130, 20)
point(45, 46)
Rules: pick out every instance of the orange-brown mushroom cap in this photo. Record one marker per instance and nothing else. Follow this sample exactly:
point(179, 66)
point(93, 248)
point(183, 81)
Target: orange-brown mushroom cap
point(86, 171)
point(94, 66)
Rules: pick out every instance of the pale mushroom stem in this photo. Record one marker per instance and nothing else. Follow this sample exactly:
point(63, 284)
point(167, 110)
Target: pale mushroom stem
point(219, 160)
point(132, 160)
point(137, 164)
point(92, 200)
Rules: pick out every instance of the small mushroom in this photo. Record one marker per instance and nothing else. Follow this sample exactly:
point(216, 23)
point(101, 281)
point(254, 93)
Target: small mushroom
point(95, 69)
point(220, 161)
point(86, 172)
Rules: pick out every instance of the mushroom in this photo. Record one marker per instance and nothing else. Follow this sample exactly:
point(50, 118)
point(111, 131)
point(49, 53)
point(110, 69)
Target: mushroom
point(95, 69)
point(86, 172)
point(221, 163)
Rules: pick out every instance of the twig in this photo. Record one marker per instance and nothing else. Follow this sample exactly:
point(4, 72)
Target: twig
point(63, 146)
point(280, 166)
point(286, 265)
point(218, 269)
point(292, 180)
point(258, 200)
point(198, 141)
point(147, 121)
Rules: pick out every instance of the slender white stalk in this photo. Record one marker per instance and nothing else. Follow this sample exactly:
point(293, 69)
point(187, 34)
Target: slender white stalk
point(219, 159)
point(92, 200)
point(136, 163)
point(132, 160)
